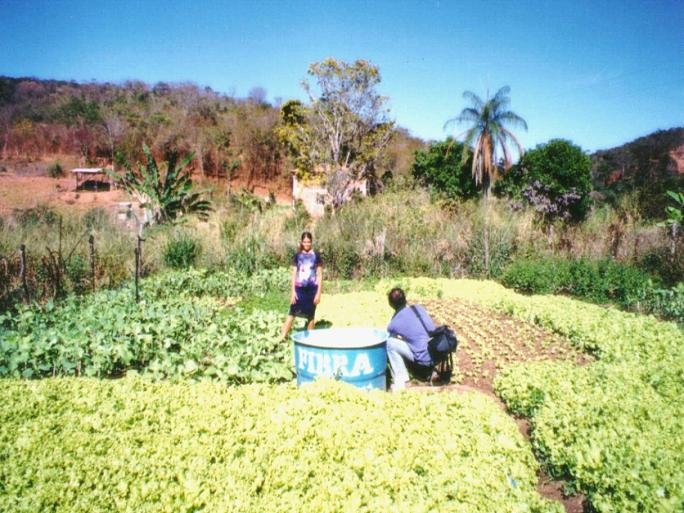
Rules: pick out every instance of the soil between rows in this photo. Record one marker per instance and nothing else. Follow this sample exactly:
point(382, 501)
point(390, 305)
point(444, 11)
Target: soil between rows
point(490, 341)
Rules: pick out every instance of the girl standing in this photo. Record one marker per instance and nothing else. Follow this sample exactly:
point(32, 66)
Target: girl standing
point(307, 283)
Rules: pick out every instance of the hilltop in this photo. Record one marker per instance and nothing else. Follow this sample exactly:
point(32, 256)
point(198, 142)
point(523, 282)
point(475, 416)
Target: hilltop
point(649, 165)
point(107, 123)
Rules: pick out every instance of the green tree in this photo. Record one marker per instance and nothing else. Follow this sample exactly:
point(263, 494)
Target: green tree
point(343, 133)
point(488, 135)
point(554, 177)
point(441, 166)
point(166, 191)
point(294, 132)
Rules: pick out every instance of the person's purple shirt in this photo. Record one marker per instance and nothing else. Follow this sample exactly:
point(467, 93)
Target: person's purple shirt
point(406, 325)
point(307, 265)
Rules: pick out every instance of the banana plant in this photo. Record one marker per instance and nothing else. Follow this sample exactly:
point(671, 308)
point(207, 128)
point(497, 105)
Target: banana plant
point(675, 218)
point(166, 192)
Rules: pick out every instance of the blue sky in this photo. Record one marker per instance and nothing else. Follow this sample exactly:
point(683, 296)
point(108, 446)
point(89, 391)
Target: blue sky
point(599, 73)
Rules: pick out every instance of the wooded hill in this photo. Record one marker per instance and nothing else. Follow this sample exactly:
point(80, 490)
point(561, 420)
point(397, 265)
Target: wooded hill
point(648, 166)
point(106, 123)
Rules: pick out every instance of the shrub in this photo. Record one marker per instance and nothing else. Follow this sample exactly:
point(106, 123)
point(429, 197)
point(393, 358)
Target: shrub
point(166, 190)
point(659, 261)
point(531, 277)
point(440, 166)
point(55, 170)
point(343, 258)
point(599, 281)
point(77, 273)
point(41, 214)
point(181, 251)
point(668, 303)
point(96, 218)
point(557, 178)
point(250, 255)
point(300, 219)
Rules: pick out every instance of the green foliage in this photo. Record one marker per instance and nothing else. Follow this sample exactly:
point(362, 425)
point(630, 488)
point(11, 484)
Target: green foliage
point(675, 219)
point(343, 258)
point(300, 220)
point(251, 254)
point(97, 219)
point(536, 276)
point(557, 165)
point(500, 249)
point(668, 303)
point(488, 135)
point(167, 192)
point(77, 109)
point(643, 167)
point(41, 214)
point(55, 170)
point(599, 281)
point(675, 214)
point(441, 167)
point(184, 327)
point(344, 132)
point(131, 445)
point(218, 284)
point(614, 431)
point(294, 132)
point(181, 251)
point(77, 273)
point(614, 427)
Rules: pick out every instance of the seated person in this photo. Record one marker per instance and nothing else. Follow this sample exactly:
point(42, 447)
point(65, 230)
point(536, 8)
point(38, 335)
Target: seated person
point(408, 341)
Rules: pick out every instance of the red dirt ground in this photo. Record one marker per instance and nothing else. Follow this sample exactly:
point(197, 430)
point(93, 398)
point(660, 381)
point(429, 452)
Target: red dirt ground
point(26, 185)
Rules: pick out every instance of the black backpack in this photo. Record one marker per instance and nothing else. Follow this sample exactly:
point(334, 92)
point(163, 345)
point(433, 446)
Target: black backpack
point(443, 340)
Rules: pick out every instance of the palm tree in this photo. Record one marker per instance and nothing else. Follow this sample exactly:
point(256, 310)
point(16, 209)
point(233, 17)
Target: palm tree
point(488, 134)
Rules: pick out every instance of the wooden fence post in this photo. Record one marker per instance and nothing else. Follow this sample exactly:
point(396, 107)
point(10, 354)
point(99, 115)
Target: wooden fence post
point(138, 260)
point(91, 244)
point(22, 272)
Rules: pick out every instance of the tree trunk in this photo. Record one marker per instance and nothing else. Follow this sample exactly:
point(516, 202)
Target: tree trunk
point(673, 247)
point(200, 159)
point(6, 143)
point(111, 145)
point(485, 235)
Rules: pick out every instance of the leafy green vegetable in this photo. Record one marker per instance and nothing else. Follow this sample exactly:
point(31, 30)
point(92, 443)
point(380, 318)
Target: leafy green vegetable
point(83, 445)
point(185, 326)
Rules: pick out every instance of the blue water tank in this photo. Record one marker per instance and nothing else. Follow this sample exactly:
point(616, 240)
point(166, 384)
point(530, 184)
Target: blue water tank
point(354, 355)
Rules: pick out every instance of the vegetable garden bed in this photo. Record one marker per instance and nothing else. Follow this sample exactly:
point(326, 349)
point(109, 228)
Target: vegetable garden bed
point(612, 427)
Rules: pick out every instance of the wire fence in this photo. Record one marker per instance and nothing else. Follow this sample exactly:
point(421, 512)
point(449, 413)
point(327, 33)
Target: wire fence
point(31, 275)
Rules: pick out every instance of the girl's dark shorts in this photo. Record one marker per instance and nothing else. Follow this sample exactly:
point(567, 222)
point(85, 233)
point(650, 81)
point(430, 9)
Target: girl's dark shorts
point(304, 307)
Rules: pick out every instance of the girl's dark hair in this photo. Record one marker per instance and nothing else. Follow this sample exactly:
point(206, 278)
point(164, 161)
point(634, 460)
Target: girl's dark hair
point(305, 235)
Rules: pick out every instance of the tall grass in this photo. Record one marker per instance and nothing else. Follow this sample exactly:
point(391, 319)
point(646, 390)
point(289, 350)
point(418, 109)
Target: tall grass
point(399, 232)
